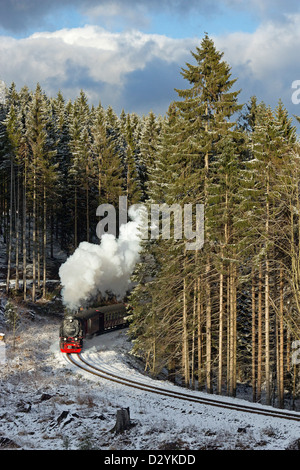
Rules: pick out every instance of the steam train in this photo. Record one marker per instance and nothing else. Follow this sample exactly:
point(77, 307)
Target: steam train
point(89, 322)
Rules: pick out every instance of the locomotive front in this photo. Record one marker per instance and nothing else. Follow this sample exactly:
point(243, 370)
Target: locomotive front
point(71, 335)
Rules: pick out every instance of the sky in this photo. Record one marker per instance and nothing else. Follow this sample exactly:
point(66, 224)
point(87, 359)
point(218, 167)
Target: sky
point(129, 53)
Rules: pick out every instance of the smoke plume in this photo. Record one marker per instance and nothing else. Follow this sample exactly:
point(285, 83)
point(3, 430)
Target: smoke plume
point(107, 267)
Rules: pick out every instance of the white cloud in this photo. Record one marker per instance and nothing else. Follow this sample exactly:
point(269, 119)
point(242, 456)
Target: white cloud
point(269, 48)
point(266, 60)
point(107, 56)
point(91, 52)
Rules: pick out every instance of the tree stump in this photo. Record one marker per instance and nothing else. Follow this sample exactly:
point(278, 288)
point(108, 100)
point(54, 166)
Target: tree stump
point(123, 421)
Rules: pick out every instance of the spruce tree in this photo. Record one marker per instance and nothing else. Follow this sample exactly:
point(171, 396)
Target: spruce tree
point(149, 141)
point(60, 218)
point(107, 166)
point(79, 168)
point(195, 145)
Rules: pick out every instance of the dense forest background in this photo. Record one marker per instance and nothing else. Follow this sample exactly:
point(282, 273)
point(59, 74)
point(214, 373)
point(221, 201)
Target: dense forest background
point(215, 317)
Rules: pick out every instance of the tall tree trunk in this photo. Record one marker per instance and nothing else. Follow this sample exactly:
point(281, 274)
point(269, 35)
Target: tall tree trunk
point(208, 329)
point(259, 335)
point(193, 335)
point(221, 321)
point(38, 245)
point(234, 300)
point(281, 345)
point(24, 233)
point(17, 225)
point(267, 335)
point(34, 224)
point(228, 330)
point(44, 240)
point(267, 305)
point(231, 331)
point(185, 348)
point(199, 331)
point(9, 254)
point(253, 337)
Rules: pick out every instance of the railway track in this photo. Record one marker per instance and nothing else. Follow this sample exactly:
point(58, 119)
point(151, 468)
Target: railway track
point(83, 364)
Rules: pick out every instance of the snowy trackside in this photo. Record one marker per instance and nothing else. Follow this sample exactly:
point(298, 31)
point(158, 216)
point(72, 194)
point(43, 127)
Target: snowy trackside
point(192, 423)
point(46, 403)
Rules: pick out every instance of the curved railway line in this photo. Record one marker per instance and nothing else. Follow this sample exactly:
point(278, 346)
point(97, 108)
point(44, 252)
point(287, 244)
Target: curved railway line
point(108, 375)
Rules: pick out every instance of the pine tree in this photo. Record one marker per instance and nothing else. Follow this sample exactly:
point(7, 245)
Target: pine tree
point(42, 170)
point(107, 166)
point(79, 168)
point(161, 170)
point(206, 138)
point(132, 182)
point(149, 141)
point(61, 220)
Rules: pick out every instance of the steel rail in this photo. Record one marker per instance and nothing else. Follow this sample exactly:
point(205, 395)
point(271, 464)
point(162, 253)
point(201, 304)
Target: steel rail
point(179, 395)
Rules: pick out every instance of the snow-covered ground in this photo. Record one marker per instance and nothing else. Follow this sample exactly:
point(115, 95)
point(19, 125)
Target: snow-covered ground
point(46, 403)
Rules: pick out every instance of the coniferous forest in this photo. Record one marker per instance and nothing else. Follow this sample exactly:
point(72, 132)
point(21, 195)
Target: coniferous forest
point(213, 318)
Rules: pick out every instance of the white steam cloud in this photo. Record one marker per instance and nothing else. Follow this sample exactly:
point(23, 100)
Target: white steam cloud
point(107, 267)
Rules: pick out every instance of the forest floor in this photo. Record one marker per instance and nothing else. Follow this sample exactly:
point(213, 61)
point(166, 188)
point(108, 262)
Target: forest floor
point(47, 404)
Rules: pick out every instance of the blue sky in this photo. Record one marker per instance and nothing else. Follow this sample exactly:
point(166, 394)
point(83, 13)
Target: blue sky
point(128, 54)
point(176, 21)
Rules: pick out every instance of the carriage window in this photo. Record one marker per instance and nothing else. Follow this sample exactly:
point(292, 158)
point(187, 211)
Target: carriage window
point(93, 325)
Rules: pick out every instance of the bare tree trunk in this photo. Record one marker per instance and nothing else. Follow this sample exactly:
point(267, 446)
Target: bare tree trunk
point(193, 336)
point(231, 332)
point(38, 245)
point(228, 330)
point(281, 345)
point(267, 335)
point(199, 331)
point(17, 224)
point(9, 254)
point(221, 321)
point(253, 338)
point(24, 234)
point(259, 335)
point(288, 352)
point(234, 329)
point(44, 242)
point(34, 234)
point(185, 348)
point(267, 307)
point(208, 330)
